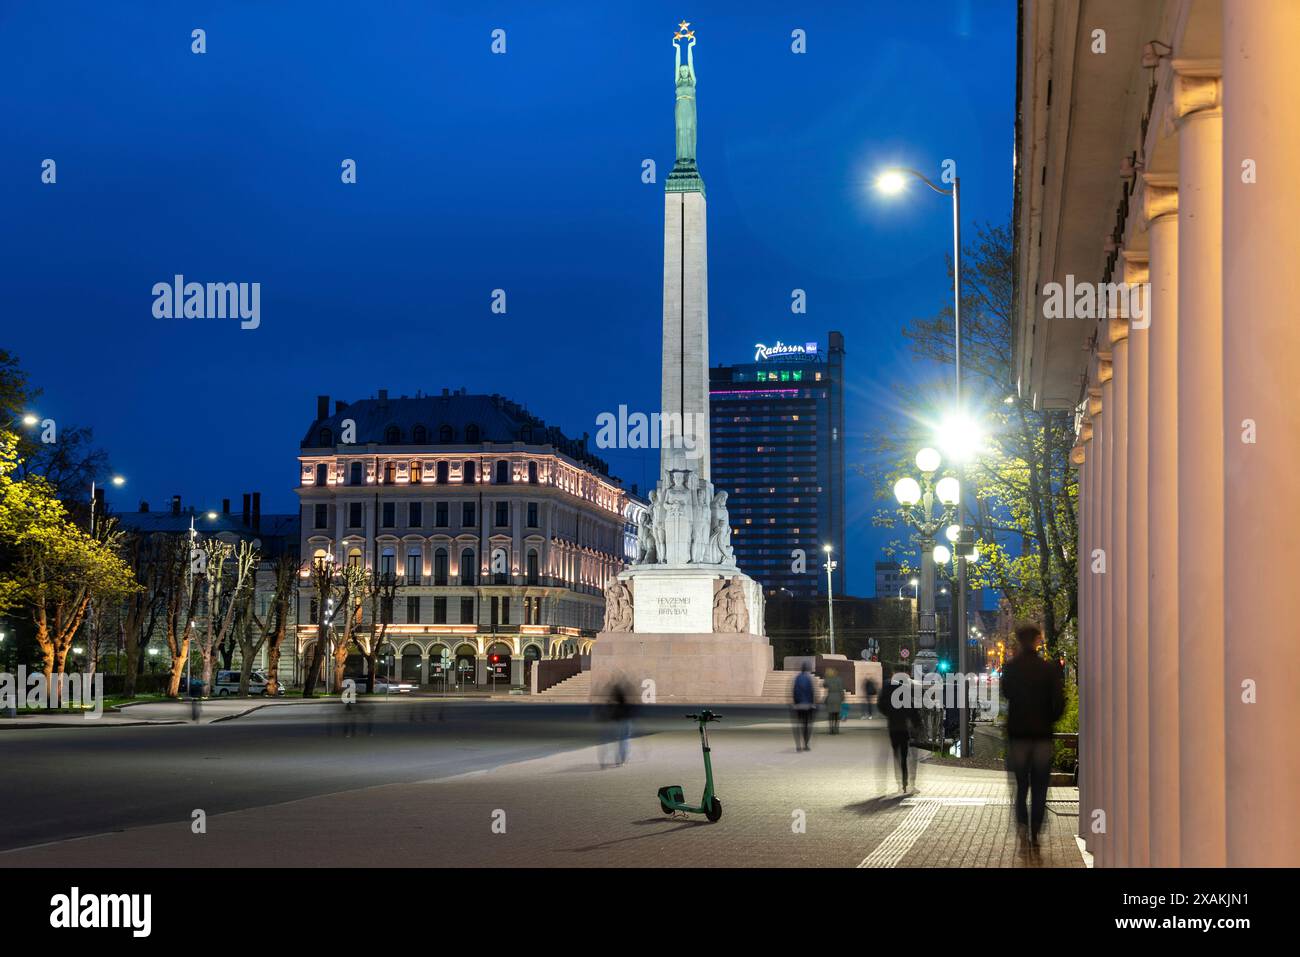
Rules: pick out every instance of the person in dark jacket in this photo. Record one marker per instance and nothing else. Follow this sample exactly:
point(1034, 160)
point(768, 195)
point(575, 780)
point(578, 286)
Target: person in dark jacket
point(901, 716)
point(1035, 693)
point(805, 704)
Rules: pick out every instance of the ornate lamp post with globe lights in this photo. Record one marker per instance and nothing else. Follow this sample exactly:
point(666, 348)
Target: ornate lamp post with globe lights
point(927, 506)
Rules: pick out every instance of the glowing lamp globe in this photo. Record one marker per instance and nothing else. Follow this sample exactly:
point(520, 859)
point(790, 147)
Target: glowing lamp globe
point(949, 490)
point(907, 491)
point(941, 555)
point(928, 460)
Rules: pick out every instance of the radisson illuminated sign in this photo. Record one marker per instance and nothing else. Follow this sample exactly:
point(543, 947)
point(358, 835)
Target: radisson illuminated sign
point(781, 350)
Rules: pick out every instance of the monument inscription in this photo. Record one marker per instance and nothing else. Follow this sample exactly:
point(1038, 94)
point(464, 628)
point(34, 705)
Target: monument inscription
point(676, 605)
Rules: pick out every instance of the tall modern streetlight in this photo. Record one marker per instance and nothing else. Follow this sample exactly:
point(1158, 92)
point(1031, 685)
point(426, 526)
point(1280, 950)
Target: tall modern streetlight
point(918, 501)
point(117, 482)
point(893, 180)
point(830, 566)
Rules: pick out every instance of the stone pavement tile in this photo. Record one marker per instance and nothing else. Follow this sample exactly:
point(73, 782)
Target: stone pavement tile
point(832, 806)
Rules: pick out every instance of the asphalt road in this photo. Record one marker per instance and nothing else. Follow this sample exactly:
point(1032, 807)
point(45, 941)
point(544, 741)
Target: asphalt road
point(65, 783)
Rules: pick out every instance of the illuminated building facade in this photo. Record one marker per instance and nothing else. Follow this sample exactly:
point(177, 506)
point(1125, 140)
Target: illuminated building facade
point(500, 531)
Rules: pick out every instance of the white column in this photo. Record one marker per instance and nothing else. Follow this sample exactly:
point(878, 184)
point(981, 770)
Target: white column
point(1083, 450)
point(1200, 471)
point(1261, 357)
point(1117, 572)
point(1106, 647)
point(1162, 543)
point(1137, 761)
point(1096, 627)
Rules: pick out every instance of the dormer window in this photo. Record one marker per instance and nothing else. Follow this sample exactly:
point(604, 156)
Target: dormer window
point(326, 438)
point(472, 434)
point(420, 435)
point(446, 435)
point(392, 435)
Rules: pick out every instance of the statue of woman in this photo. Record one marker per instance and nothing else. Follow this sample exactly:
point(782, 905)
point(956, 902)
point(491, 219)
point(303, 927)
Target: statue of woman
point(720, 535)
point(684, 112)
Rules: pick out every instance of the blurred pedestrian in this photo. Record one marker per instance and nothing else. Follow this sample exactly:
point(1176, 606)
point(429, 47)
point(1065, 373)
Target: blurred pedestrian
point(1035, 693)
point(805, 703)
point(899, 710)
point(618, 713)
point(834, 699)
point(869, 698)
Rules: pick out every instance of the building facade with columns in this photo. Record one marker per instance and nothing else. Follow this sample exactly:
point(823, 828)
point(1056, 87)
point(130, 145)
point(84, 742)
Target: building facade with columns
point(500, 532)
point(1156, 145)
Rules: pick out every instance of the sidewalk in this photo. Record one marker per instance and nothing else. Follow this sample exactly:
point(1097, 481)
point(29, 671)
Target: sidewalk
point(566, 811)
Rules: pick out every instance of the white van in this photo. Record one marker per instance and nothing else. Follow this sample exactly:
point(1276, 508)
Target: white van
point(227, 683)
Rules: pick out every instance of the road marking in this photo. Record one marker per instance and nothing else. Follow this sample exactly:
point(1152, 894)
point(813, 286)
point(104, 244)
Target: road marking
point(894, 847)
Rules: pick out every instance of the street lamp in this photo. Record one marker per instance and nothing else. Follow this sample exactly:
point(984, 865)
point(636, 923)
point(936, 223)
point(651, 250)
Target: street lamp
point(117, 482)
point(918, 501)
point(830, 608)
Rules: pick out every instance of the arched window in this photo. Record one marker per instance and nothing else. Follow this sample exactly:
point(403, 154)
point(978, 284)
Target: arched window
point(446, 435)
point(322, 473)
point(471, 473)
point(532, 473)
point(440, 567)
point(354, 557)
point(503, 472)
point(442, 473)
point(471, 434)
point(532, 566)
point(326, 437)
point(354, 475)
point(387, 563)
point(392, 435)
point(420, 435)
point(468, 567)
point(414, 565)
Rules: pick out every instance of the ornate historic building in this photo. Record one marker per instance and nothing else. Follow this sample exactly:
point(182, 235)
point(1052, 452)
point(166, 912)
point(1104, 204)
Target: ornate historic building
point(501, 532)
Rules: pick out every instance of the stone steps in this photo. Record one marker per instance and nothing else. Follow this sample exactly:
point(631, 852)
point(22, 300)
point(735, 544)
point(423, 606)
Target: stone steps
point(577, 688)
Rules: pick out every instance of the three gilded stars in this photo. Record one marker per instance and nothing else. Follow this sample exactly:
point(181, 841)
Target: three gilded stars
point(683, 33)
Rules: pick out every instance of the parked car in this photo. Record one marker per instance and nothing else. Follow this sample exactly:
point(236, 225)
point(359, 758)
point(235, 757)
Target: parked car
point(227, 683)
point(393, 686)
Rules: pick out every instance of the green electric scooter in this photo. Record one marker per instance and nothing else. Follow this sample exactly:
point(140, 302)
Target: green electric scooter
point(672, 798)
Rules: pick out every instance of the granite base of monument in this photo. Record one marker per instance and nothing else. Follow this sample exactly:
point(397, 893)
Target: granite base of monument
point(690, 669)
point(690, 638)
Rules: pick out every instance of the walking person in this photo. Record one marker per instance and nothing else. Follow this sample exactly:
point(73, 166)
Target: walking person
point(1035, 693)
point(901, 716)
point(805, 703)
point(834, 699)
point(869, 690)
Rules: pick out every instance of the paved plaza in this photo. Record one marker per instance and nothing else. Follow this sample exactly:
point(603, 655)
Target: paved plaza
point(835, 806)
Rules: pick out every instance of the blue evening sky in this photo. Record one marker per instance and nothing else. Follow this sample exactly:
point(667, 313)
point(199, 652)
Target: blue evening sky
point(476, 171)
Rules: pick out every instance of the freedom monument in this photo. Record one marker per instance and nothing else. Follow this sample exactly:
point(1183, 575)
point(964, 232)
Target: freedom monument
point(684, 616)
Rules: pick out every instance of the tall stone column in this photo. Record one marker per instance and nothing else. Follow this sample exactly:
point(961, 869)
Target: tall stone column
point(1136, 755)
point(1261, 422)
point(1117, 572)
point(1161, 211)
point(1096, 627)
point(1081, 456)
point(1105, 580)
point(1200, 468)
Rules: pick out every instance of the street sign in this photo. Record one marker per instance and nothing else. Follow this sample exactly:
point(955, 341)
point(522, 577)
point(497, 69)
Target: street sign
point(866, 654)
point(904, 654)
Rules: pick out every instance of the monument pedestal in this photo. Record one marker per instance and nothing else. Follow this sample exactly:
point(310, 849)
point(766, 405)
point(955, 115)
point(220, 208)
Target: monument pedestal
point(679, 638)
point(691, 669)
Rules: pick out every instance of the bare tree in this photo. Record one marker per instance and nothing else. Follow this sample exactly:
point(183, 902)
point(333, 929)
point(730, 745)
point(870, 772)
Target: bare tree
point(273, 627)
point(227, 574)
point(381, 594)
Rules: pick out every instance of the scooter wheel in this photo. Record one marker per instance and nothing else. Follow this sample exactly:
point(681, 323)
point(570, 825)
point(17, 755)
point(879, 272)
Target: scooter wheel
point(714, 810)
point(665, 808)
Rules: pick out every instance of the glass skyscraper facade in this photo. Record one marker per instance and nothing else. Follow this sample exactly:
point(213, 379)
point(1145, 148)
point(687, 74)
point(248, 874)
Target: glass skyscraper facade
point(777, 434)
